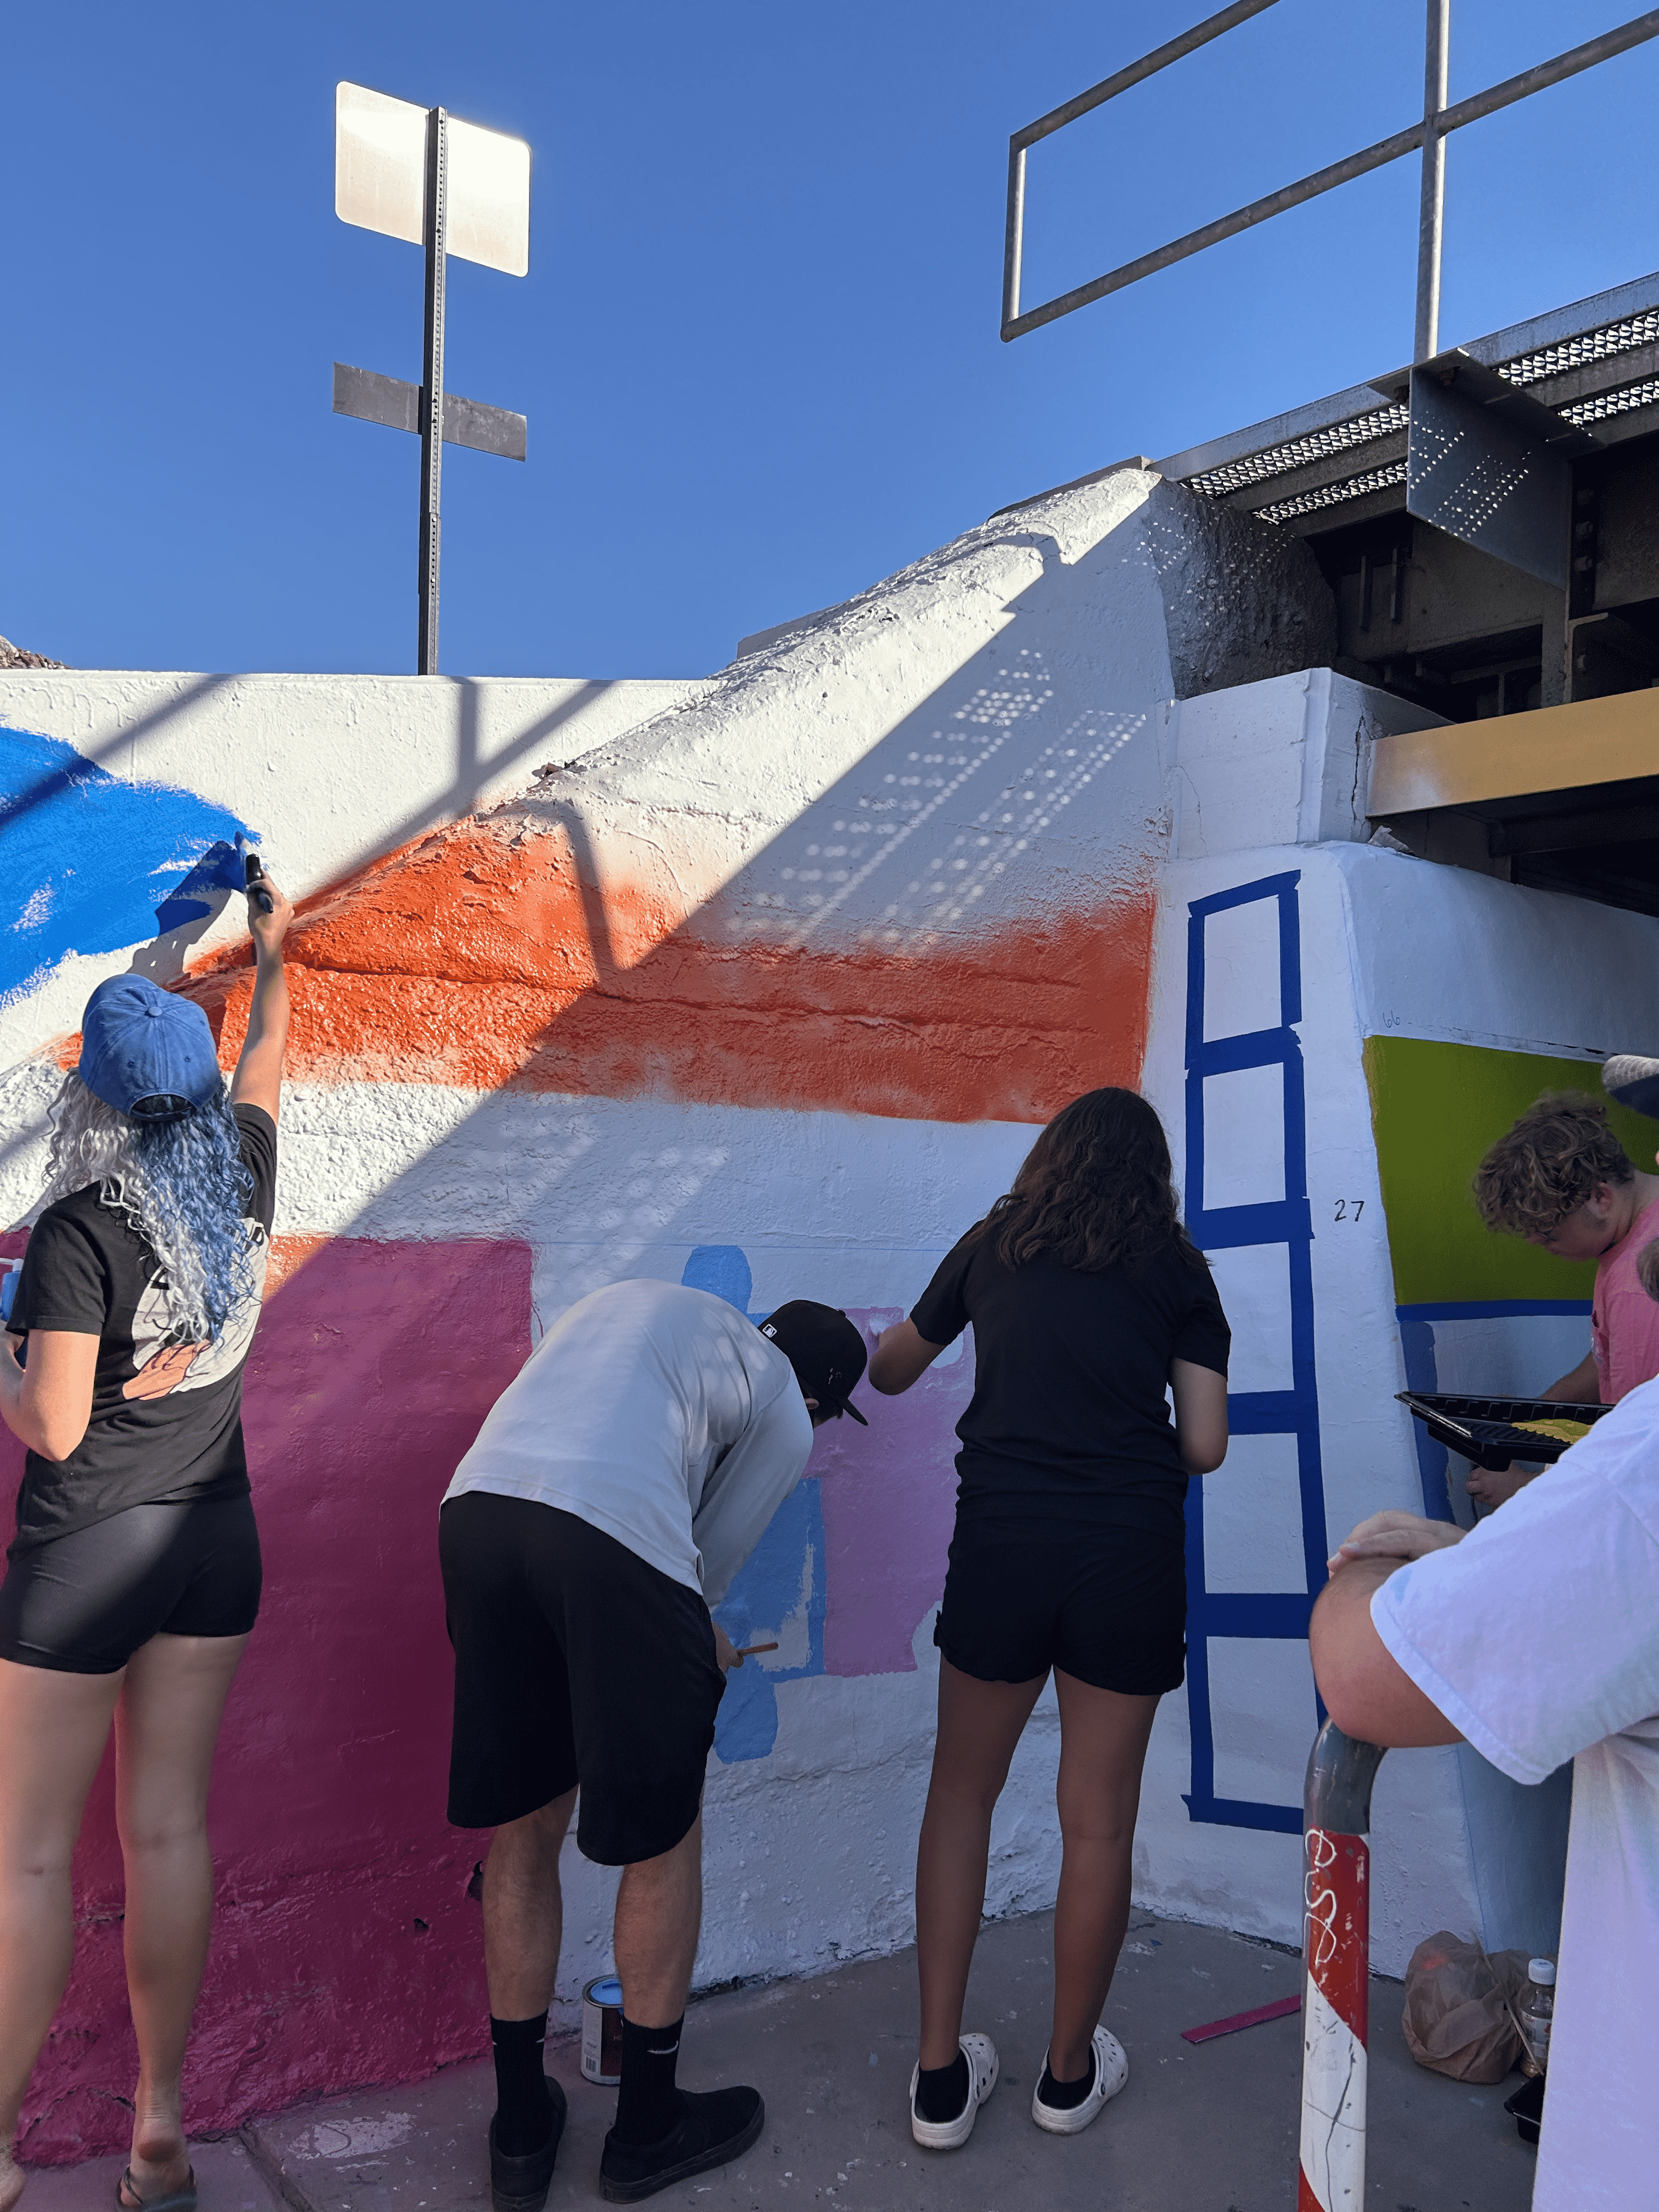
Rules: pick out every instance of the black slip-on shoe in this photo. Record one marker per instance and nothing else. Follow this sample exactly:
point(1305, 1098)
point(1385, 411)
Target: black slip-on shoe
point(712, 2129)
point(521, 2184)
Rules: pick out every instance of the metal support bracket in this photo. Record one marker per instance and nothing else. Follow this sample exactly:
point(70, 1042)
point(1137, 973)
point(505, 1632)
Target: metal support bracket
point(1488, 464)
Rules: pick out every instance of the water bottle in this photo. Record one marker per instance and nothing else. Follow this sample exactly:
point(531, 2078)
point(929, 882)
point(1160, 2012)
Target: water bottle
point(1538, 2012)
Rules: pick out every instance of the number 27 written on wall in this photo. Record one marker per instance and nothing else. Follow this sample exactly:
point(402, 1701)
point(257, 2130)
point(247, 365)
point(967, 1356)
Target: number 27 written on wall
point(1349, 1209)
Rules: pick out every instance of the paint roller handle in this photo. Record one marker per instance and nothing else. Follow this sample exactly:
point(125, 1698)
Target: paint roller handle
point(257, 895)
point(750, 1649)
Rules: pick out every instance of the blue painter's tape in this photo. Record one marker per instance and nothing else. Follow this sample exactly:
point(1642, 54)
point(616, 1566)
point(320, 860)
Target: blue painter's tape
point(87, 857)
point(1492, 1309)
point(1269, 1613)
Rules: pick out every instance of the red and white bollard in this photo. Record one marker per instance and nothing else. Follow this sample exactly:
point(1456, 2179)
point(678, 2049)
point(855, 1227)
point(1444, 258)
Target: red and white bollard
point(1336, 1943)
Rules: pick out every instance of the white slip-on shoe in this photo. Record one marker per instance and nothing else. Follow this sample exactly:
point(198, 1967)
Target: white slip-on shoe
point(1111, 2072)
point(982, 2069)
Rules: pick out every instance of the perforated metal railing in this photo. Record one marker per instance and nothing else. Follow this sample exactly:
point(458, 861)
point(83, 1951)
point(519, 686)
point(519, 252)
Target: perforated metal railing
point(1612, 339)
point(1297, 453)
point(1541, 365)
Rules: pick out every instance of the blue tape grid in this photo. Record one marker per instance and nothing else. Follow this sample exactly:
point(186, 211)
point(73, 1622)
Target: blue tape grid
point(1294, 1412)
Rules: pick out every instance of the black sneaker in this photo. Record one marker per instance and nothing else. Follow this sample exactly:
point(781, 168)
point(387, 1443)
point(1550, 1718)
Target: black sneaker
point(711, 2130)
point(521, 2184)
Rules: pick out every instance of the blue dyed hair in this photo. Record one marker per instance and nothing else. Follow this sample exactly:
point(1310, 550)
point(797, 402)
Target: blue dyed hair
point(181, 1184)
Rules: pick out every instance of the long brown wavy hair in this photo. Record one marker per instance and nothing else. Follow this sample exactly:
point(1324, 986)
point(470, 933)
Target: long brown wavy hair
point(1095, 1191)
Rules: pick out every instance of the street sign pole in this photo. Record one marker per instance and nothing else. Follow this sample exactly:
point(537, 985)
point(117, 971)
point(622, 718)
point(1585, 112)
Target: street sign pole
point(432, 388)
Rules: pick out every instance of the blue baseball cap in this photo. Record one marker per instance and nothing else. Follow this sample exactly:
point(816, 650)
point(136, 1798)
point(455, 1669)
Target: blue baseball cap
point(146, 1052)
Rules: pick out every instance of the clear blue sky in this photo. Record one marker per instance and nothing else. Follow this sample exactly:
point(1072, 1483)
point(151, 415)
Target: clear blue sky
point(758, 345)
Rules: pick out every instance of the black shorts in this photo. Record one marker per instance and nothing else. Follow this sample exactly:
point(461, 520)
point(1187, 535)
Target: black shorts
point(1106, 1605)
point(82, 1603)
point(575, 1661)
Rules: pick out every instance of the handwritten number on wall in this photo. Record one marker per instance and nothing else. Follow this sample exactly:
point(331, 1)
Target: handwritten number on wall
point(1343, 1205)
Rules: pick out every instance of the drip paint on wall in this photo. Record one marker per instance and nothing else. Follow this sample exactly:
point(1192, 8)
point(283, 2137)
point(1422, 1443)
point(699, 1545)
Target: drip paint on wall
point(91, 860)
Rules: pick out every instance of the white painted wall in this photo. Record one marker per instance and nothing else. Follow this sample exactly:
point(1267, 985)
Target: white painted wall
point(331, 770)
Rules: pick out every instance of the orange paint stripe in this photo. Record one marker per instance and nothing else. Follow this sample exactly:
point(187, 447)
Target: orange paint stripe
point(478, 961)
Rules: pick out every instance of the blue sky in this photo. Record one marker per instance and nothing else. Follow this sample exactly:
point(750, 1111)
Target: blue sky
point(758, 345)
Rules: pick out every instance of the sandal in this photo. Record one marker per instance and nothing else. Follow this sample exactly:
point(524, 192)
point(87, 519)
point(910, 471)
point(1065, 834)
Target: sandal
point(176, 2200)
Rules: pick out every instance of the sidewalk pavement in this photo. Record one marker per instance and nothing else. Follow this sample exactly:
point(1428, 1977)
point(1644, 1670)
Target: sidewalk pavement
point(1200, 2128)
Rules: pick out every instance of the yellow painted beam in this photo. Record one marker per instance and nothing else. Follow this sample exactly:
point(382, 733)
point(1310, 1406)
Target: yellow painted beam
point(1512, 756)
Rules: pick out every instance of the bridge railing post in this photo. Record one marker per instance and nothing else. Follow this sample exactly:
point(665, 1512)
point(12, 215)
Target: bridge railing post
point(1336, 1943)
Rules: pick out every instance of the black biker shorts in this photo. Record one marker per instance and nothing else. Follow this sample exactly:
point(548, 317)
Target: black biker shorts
point(1106, 1605)
point(575, 1661)
point(82, 1603)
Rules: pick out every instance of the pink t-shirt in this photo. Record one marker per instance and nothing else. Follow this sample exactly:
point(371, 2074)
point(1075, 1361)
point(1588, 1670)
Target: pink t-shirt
point(1624, 1319)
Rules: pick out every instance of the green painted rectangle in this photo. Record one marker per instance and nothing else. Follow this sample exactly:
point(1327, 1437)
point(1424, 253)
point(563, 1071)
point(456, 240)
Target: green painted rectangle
point(1436, 1110)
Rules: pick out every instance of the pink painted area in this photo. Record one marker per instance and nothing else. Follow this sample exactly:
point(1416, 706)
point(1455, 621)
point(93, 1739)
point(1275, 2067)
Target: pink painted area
point(888, 1494)
point(345, 1950)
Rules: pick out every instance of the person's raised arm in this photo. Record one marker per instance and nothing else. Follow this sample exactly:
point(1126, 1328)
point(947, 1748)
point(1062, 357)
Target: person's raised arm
point(1200, 1415)
point(903, 1355)
point(258, 1078)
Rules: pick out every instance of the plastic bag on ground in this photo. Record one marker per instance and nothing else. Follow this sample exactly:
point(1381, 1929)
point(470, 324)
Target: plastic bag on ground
point(1456, 2019)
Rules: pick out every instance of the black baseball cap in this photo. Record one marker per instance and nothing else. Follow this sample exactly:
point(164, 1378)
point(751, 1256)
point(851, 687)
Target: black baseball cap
point(824, 1349)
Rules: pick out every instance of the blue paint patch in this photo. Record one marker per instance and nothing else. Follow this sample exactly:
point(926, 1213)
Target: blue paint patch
point(89, 860)
point(782, 1576)
point(222, 868)
point(724, 1271)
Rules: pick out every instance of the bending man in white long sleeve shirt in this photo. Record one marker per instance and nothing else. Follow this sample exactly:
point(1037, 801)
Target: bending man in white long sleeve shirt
point(616, 1487)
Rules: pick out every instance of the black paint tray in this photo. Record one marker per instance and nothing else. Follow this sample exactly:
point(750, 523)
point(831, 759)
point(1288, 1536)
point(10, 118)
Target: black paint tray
point(1483, 1429)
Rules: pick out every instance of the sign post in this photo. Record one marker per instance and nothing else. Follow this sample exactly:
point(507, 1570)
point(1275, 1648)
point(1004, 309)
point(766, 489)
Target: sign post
point(420, 174)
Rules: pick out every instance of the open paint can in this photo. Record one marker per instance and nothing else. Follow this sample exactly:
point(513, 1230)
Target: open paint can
point(602, 2031)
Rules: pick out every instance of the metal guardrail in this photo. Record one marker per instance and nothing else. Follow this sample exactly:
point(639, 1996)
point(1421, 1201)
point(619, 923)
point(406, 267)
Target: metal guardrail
point(1336, 1939)
point(1426, 136)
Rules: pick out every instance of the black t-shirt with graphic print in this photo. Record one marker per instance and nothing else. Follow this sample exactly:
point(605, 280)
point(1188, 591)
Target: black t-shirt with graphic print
point(166, 1416)
point(1068, 1415)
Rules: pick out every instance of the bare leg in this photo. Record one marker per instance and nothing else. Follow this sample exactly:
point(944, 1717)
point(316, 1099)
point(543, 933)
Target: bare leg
point(524, 1911)
point(1102, 1748)
point(658, 1915)
point(166, 1727)
point(979, 1725)
point(53, 1728)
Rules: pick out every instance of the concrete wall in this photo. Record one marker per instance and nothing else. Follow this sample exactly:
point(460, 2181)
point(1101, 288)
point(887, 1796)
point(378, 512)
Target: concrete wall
point(764, 984)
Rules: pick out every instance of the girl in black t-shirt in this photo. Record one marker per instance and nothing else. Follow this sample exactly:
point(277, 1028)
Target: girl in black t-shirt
point(1089, 1303)
point(134, 1577)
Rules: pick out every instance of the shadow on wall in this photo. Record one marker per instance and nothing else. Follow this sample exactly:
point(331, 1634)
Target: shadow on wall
point(958, 927)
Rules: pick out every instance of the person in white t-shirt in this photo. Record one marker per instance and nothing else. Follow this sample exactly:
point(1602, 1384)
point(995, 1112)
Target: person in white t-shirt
point(616, 1487)
point(1536, 1636)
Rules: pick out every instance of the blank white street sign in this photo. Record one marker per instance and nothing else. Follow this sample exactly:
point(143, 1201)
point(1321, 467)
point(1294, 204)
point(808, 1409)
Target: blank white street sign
point(380, 179)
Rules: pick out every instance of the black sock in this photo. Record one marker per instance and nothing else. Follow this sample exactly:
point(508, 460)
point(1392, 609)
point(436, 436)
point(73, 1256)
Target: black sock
point(523, 2107)
point(1065, 2096)
point(942, 2091)
point(647, 2103)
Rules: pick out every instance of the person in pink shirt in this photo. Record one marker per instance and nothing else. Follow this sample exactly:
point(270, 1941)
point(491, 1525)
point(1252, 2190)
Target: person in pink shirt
point(1561, 1179)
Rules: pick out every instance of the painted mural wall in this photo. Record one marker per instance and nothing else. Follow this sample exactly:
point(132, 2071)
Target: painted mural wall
point(764, 983)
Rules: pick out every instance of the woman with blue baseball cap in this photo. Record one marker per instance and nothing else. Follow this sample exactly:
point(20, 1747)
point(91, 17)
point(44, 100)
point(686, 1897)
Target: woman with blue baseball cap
point(134, 1577)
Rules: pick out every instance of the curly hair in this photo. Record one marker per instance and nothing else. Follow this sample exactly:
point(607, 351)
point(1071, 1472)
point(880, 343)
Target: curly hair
point(180, 1185)
point(1554, 1158)
point(1095, 1191)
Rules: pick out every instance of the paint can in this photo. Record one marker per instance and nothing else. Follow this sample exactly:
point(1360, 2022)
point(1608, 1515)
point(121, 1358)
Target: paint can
point(602, 2018)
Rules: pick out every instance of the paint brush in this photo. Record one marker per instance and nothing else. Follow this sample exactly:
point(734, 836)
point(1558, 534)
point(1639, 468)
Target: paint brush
point(750, 1649)
point(257, 895)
